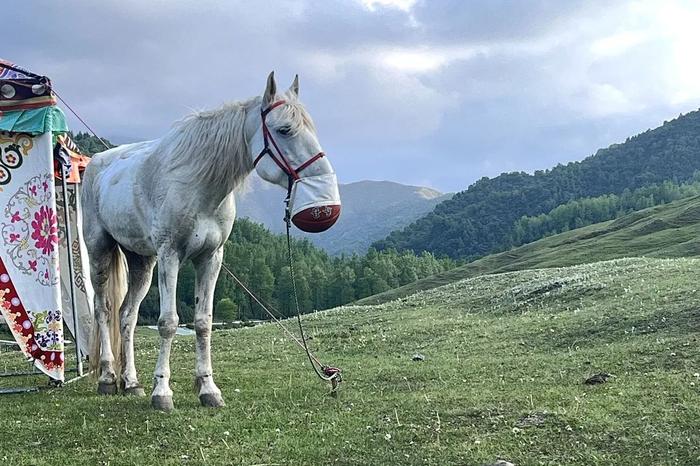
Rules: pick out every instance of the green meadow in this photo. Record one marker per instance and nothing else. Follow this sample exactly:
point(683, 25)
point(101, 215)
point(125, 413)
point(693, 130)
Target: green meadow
point(502, 378)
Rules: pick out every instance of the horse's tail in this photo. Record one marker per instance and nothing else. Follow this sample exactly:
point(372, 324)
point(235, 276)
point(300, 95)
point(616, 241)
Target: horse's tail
point(115, 289)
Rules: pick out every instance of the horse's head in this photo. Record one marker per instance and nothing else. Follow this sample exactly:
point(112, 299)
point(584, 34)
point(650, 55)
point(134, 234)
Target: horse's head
point(287, 152)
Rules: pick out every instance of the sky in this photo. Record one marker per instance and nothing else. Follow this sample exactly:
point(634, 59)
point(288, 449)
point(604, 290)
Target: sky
point(435, 93)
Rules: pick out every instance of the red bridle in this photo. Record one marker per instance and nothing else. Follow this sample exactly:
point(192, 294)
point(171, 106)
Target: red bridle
point(279, 158)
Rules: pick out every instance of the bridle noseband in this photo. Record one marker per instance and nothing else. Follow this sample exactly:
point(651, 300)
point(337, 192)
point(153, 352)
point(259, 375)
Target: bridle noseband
point(279, 158)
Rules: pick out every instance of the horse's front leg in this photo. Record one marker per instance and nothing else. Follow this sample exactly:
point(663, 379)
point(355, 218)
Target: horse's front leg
point(207, 269)
point(168, 265)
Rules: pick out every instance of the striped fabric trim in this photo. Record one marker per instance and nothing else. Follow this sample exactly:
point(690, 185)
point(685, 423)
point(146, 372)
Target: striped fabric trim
point(27, 104)
point(68, 143)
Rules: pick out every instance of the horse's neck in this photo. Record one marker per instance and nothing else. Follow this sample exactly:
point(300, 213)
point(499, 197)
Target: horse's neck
point(210, 152)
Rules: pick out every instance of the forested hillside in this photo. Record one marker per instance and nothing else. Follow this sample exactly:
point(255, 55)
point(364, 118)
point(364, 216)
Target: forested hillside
point(589, 210)
point(259, 259)
point(482, 219)
point(89, 144)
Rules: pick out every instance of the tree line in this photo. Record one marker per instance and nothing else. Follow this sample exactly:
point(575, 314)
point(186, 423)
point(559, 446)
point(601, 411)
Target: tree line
point(89, 144)
point(259, 259)
point(587, 211)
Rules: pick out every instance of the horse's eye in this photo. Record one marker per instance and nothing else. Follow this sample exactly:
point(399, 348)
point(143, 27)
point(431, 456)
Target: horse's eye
point(285, 130)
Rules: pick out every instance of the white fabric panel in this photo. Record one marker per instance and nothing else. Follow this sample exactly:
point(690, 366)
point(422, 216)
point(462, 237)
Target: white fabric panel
point(81, 270)
point(314, 191)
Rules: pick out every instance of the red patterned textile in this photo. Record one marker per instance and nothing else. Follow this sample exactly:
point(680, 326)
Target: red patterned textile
point(40, 335)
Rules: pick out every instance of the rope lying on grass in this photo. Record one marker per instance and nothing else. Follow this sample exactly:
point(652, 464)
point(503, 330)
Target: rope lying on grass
point(324, 372)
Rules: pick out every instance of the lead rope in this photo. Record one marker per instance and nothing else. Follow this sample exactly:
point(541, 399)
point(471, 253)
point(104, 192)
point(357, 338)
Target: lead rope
point(324, 372)
point(327, 373)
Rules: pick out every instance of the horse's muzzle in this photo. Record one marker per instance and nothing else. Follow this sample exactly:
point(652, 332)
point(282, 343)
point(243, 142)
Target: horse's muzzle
point(317, 219)
point(314, 203)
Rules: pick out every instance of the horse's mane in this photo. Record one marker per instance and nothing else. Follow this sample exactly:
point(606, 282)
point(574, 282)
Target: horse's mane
point(294, 113)
point(210, 146)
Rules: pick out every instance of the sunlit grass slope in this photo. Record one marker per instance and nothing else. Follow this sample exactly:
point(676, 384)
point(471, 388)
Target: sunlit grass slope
point(671, 230)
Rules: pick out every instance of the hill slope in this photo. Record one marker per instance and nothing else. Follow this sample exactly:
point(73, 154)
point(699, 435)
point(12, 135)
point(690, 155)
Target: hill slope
point(480, 220)
point(671, 230)
point(505, 358)
point(371, 210)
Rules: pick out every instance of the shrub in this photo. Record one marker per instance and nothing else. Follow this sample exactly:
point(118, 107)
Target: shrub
point(226, 310)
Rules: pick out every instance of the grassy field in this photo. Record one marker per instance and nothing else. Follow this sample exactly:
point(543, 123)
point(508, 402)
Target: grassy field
point(505, 360)
point(671, 230)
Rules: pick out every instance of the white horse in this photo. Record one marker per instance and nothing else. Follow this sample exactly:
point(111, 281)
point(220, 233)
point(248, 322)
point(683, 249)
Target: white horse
point(172, 200)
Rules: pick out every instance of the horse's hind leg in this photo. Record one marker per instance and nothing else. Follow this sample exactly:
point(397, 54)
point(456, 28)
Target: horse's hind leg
point(207, 269)
point(140, 274)
point(101, 249)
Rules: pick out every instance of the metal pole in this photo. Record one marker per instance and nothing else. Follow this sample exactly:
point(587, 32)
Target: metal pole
point(11, 391)
point(69, 241)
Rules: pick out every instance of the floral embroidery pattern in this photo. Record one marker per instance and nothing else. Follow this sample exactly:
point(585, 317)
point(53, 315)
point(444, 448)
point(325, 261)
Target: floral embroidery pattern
point(30, 230)
point(30, 293)
point(45, 230)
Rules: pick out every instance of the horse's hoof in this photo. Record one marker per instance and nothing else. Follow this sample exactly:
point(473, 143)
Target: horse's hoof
point(212, 400)
point(162, 403)
point(135, 391)
point(104, 388)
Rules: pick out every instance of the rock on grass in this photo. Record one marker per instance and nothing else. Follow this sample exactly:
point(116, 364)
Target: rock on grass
point(596, 379)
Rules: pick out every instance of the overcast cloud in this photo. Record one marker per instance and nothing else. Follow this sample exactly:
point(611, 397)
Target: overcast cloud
point(436, 93)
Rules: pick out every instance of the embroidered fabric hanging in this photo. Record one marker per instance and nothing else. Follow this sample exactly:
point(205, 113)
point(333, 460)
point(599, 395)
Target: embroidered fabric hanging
point(30, 298)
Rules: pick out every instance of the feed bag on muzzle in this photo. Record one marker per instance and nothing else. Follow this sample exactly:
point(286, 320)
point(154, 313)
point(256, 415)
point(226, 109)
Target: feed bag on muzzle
point(314, 203)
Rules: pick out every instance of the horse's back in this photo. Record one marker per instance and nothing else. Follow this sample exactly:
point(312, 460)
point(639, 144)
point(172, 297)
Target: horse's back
point(112, 195)
point(119, 158)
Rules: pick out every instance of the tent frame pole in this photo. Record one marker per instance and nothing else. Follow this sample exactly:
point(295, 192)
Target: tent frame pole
point(69, 248)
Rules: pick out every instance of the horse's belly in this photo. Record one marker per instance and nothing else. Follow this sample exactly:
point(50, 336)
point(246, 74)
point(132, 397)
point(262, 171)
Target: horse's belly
point(129, 231)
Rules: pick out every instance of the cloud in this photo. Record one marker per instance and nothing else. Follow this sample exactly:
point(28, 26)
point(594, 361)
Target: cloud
point(410, 90)
point(619, 43)
point(403, 5)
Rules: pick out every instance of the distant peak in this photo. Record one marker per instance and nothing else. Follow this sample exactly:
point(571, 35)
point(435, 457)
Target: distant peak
point(422, 191)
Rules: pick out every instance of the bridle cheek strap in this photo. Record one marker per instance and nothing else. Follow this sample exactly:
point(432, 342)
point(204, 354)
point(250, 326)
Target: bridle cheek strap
point(310, 161)
point(279, 158)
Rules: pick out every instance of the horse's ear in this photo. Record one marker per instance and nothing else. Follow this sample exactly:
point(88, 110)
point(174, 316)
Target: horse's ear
point(294, 88)
point(270, 90)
